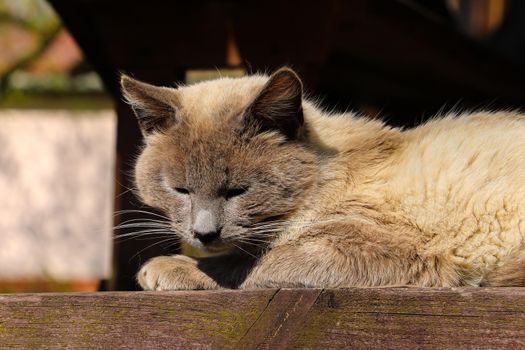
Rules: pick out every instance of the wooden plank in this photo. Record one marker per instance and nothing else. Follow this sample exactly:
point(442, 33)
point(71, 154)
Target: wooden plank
point(283, 317)
point(396, 318)
point(483, 318)
point(118, 320)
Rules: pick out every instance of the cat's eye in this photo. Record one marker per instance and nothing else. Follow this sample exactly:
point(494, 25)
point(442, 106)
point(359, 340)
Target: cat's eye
point(235, 192)
point(182, 190)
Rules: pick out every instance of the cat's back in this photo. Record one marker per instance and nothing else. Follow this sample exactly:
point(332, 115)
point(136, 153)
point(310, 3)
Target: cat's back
point(467, 152)
point(461, 181)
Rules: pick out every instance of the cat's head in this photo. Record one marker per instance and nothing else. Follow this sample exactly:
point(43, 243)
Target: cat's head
point(224, 159)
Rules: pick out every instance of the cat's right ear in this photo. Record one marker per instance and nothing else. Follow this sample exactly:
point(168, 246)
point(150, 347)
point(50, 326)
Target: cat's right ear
point(154, 106)
point(278, 106)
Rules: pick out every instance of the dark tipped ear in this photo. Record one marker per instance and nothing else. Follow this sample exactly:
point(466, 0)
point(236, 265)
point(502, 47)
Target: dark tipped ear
point(279, 105)
point(154, 106)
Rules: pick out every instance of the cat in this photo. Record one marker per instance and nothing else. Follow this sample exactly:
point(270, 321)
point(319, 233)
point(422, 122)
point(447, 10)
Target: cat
point(283, 194)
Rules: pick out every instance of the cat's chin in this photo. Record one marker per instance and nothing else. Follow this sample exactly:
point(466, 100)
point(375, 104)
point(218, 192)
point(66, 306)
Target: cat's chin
point(218, 250)
point(215, 249)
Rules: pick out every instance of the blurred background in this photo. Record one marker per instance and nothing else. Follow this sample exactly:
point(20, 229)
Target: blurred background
point(57, 141)
point(67, 140)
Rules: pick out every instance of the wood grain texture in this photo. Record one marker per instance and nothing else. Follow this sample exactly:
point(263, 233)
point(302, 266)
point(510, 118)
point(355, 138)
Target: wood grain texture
point(283, 317)
point(185, 320)
point(397, 318)
point(406, 318)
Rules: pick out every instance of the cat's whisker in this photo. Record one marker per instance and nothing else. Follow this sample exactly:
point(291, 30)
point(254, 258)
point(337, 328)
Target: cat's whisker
point(247, 252)
point(293, 224)
point(267, 224)
point(265, 233)
point(172, 244)
point(137, 211)
point(145, 220)
point(143, 237)
point(248, 239)
point(141, 233)
point(272, 225)
point(128, 189)
point(266, 238)
point(268, 227)
point(271, 222)
point(250, 243)
point(141, 225)
point(142, 229)
point(139, 236)
point(257, 246)
point(296, 223)
point(259, 239)
point(174, 239)
point(124, 192)
point(267, 230)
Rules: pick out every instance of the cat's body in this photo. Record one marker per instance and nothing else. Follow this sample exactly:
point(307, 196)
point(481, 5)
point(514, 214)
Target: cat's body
point(335, 200)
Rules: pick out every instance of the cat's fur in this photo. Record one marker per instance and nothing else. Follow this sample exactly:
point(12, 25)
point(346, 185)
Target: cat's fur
point(327, 200)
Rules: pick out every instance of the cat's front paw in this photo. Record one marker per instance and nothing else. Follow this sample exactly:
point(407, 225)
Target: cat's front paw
point(177, 272)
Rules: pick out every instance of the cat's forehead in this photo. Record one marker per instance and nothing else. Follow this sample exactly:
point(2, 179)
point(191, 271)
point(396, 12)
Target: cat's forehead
point(219, 98)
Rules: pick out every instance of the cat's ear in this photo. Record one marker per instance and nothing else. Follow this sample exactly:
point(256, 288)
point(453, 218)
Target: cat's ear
point(154, 106)
point(279, 105)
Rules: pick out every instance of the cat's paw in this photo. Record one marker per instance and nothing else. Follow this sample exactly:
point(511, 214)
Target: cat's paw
point(177, 272)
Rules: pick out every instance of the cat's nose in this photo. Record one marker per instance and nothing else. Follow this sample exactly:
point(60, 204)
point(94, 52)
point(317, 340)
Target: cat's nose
point(205, 226)
point(207, 237)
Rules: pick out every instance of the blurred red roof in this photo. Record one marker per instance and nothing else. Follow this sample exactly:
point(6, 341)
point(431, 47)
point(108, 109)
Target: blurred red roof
point(61, 55)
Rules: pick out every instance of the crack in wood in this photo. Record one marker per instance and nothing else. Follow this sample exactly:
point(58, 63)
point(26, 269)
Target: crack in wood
point(258, 317)
point(281, 320)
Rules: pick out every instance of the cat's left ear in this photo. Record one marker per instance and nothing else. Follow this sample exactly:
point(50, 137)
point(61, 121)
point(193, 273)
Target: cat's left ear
point(278, 106)
point(154, 106)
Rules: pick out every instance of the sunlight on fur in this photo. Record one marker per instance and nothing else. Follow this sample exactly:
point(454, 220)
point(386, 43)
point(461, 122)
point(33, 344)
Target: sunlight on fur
point(287, 195)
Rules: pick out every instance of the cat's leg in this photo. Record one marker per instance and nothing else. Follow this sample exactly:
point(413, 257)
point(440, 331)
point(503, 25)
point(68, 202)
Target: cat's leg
point(348, 255)
point(179, 272)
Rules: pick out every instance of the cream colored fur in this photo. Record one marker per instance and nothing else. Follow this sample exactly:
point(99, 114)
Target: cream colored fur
point(453, 187)
point(438, 205)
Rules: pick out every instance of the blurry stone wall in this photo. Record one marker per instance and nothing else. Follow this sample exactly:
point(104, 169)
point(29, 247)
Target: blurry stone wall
point(56, 188)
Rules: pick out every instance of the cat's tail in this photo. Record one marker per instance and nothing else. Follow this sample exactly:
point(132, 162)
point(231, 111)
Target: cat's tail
point(509, 275)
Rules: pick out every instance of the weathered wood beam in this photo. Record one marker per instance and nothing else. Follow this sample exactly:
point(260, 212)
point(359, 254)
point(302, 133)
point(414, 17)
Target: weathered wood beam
point(396, 318)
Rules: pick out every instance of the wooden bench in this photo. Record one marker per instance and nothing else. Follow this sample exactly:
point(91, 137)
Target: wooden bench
point(395, 318)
